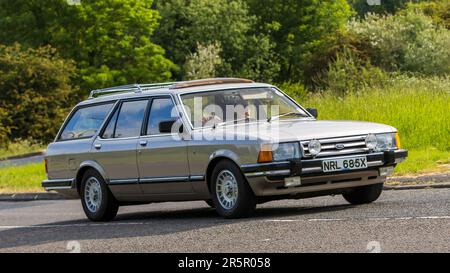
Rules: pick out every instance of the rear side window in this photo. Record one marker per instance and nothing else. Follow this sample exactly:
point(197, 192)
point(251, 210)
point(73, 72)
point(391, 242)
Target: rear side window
point(85, 122)
point(129, 121)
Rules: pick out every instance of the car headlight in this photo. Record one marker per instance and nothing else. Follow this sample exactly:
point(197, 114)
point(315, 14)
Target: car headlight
point(381, 142)
point(314, 147)
point(285, 151)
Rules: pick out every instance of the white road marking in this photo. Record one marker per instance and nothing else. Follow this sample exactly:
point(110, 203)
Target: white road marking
point(370, 219)
point(444, 217)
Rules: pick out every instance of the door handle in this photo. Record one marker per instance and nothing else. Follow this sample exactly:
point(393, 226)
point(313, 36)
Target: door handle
point(97, 146)
point(143, 143)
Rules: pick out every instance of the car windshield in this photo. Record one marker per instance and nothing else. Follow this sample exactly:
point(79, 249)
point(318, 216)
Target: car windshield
point(215, 108)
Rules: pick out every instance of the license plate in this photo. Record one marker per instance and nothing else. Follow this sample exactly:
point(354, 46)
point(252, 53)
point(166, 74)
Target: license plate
point(344, 164)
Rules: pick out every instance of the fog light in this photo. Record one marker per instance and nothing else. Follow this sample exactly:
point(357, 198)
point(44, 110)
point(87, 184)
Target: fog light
point(292, 181)
point(386, 171)
point(314, 147)
point(371, 142)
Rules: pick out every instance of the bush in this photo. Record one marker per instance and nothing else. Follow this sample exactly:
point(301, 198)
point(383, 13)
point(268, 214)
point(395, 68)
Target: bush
point(348, 73)
point(35, 92)
point(439, 11)
point(407, 41)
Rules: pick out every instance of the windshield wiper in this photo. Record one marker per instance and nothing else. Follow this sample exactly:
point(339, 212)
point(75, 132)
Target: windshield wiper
point(284, 115)
point(229, 121)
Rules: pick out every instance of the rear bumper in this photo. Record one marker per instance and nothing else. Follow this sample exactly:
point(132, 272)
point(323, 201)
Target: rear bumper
point(268, 178)
point(63, 186)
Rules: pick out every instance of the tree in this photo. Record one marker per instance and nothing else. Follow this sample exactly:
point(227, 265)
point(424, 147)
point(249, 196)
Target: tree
point(299, 28)
point(245, 51)
point(204, 62)
point(35, 92)
point(110, 41)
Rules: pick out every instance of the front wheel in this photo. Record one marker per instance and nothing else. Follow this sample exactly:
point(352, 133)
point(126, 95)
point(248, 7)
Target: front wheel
point(364, 195)
point(98, 203)
point(231, 194)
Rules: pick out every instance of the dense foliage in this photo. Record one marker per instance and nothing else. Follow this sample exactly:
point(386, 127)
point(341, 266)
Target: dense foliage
point(188, 26)
point(110, 41)
point(35, 92)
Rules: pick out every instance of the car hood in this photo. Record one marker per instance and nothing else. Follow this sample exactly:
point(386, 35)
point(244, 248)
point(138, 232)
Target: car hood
point(298, 130)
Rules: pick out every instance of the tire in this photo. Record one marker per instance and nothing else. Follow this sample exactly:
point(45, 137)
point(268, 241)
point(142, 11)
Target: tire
point(231, 194)
point(100, 211)
point(210, 203)
point(364, 195)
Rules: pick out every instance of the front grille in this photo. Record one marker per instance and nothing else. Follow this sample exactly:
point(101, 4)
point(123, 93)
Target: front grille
point(351, 145)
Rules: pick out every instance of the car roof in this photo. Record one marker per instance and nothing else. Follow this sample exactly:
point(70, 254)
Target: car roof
point(172, 90)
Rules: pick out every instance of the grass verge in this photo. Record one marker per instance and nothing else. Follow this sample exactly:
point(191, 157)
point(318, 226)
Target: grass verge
point(26, 178)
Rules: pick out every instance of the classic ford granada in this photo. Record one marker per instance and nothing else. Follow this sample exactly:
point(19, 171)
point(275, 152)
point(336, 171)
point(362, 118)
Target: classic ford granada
point(231, 142)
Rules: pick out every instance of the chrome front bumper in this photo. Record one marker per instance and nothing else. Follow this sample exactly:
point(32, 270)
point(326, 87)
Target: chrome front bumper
point(314, 166)
point(268, 178)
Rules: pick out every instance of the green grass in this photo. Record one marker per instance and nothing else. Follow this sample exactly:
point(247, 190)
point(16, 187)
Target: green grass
point(21, 147)
point(418, 108)
point(26, 178)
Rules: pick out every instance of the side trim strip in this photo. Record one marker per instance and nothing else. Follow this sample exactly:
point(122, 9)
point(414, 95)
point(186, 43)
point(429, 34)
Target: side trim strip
point(168, 179)
point(197, 178)
point(122, 181)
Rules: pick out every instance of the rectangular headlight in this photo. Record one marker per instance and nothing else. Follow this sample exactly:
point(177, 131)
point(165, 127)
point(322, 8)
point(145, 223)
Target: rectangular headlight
point(286, 151)
point(386, 142)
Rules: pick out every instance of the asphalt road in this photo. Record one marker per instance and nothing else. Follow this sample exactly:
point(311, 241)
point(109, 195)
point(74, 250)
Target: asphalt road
point(401, 221)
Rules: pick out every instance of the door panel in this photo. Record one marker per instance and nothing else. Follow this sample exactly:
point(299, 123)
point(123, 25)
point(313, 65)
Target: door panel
point(162, 158)
point(118, 159)
point(163, 165)
point(116, 148)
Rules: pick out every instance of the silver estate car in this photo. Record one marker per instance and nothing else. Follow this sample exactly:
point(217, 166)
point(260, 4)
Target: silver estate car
point(231, 142)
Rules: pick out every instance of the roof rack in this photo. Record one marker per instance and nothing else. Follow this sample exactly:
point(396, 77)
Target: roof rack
point(139, 88)
point(136, 88)
point(211, 81)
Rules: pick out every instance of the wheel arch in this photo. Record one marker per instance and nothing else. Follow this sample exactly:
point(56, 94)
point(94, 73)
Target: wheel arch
point(215, 158)
point(86, 165)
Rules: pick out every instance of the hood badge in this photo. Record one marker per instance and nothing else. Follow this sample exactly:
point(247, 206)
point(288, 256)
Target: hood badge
point(339, 146)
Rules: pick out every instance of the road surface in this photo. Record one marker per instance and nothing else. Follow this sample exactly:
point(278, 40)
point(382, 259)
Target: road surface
point(400, 221)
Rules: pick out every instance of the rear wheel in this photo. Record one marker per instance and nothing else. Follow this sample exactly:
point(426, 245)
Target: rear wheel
point(364, 195)
point(98, 203)
point(231, 194)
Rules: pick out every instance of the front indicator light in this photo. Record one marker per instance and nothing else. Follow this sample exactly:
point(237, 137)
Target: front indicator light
point(397, 140)
point(265, 155)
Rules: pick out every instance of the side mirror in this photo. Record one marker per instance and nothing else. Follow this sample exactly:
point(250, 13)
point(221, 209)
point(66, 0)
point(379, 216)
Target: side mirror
point(171, 126)
point(313, 112)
